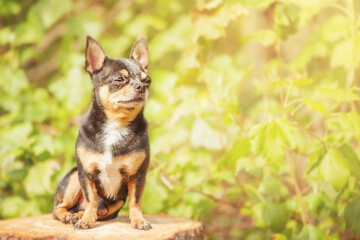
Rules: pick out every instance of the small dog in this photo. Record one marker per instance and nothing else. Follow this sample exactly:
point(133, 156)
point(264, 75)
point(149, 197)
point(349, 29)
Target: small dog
point(112, 148)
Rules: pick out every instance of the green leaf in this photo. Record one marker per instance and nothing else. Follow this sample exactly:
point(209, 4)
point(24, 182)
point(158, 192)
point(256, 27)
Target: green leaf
point(352, 216)
point(316, 106)
point(347, 53)
point(82, 24)
point(287, 132)
point(208, 5)
point(242, 148)
point(202, 135)
point(310, 232)
point(336, 28)
point(12, 206)
point(334, 170)
point(347, 124)
point(339, 94)
point(266, 140)
point(270, 139)
point(223, 175)
point(300, 82)
point(67, 91)
point(272, 187)
point(30, 31)
point(257, 211)
point(285, 20)
point(51, 11)
point(6, 36)
point(213, 26)
point(315, 202)
point(265, 37)
point(314, 233)
point(189, 77)
point(38, 180)
point(8, 8)
point(275, 216)
point(173, 39)
point(350, 159)
point(316, 155)
point(16, 136)
point(154, 195)
point(17, 174)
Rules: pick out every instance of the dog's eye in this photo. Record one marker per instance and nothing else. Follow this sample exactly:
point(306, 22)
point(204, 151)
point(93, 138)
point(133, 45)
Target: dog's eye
point(120, 79)
point(148, 80)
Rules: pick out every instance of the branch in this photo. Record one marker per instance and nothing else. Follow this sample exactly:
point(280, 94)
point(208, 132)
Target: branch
point(307, 130)
point(43, 69)
point(178, 182)
point(112, 14)
point(304, 214)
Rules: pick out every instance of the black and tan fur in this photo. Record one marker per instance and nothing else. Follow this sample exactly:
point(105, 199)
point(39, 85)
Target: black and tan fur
point(112, 149)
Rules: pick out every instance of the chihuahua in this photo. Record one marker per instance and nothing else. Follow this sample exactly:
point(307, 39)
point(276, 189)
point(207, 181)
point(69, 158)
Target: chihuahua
point(112, 148)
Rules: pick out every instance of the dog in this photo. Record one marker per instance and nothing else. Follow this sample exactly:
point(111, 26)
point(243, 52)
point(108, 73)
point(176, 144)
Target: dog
point(112, 148)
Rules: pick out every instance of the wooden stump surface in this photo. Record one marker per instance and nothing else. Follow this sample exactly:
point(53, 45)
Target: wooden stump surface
point(46, 227)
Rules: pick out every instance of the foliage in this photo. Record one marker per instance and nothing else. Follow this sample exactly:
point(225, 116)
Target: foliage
point(253, 111)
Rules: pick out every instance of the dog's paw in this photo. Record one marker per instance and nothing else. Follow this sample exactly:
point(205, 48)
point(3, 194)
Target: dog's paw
point(141, 223)
point(85, 223)
point(75, 217)
point(66, 217)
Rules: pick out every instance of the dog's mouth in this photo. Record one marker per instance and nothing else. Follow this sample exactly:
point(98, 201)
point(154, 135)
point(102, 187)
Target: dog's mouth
point(135, 100)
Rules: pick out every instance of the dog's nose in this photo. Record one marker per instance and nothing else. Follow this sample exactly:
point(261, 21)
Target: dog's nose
point(139, 88)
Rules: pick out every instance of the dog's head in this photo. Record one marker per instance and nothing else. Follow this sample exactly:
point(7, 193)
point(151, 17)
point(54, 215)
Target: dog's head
point(120, 84)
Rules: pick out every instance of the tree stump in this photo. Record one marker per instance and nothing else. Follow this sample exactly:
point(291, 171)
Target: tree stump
point(46, 227)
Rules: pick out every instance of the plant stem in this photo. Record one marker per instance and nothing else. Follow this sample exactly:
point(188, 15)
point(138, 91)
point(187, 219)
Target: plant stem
point(262, 199)
point(304, 215)
point(307, 130)
point(178, 182)
point(287, 94)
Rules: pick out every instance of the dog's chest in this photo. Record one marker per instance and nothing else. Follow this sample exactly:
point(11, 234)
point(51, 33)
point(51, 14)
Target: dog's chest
point(113, 134)
point(110, 179)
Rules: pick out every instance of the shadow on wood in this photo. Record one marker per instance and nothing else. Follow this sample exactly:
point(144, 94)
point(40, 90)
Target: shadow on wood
point(45, 227)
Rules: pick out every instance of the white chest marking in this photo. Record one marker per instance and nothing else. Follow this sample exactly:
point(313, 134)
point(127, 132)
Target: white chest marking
point(110, 178)
point(113, 133)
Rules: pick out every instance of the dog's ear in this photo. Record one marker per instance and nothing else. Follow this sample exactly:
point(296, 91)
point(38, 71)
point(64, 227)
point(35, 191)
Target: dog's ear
point(95, 56)
point(140, 53)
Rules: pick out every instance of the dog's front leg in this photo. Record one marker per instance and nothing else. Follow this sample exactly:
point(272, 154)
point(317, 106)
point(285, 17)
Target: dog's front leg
point(135, 188)
point(90, 193)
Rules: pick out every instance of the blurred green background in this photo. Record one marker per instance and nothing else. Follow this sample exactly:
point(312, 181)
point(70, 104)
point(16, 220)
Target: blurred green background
point(253, 110)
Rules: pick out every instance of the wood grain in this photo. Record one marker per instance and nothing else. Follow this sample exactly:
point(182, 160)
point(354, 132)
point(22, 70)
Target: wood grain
point(45, 227)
